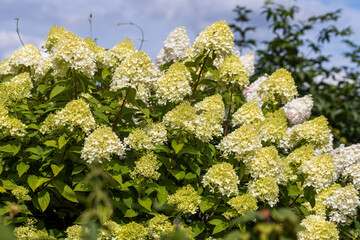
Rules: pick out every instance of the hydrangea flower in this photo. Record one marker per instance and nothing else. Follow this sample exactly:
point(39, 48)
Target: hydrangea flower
point(265, 189)
point(216, 37)
point(72, 52)
point(55, 36)
point(243, 204)
point(353, 172)
point(152, 134)
point(76, 113)
point(233, 71)
point(138, 139)
point(100, 145)
point(17, 88)
point(248, 60)
point(345, 157)
point(174, 85)
point(159, 226)
point(208, 122)
point(243, 142)
point(317, 228)
point(134, 70)
point(315, 132)
point(146, 166)
point(253, 93)
point(343, 203)
point(299, 110)
point(185, 199)
point(5, 68)
point(98, 51)
point(273, 127)
point(21, 193)
point(319, 208)
point(266, 163)
point(319, 172)
point(117, 54)
point(223, 178)
point(131, 231)
point(27, 56)
point(249, 113)
point(279, 87)
point(10, 126)
point(175, 45)
point(181, 117)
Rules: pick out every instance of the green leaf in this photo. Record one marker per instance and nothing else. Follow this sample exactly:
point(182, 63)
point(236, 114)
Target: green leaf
point(65, 191)
point(32, 181)
point(105, 72)
point(8, 185)
point(51, 143)
point(14, 149)
point(220, 227)
point(32, 150)
point(309, 194)
point(57, 169)
point(43, 200)
point(101, 115)
point(197, 227)
point(145, 202)
point(130, 213)
point(294, 190)
point(42, 88)
point(22, 168)
point(162, 195)
point(62, 141)
point(56, 90)
point(176, 146)
point(178, 174)
point(77, 170)
point(189, 150)
point(207, 203)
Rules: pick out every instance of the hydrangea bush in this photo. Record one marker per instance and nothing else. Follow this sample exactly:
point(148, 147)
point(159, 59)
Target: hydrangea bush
point(106, 144)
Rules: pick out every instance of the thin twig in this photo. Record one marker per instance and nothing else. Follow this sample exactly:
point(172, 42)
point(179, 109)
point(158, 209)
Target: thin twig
point(142, 32)
point(17, 30)
point(295, 200)
point(121, 109)
point(229, 112)
point(198, 79)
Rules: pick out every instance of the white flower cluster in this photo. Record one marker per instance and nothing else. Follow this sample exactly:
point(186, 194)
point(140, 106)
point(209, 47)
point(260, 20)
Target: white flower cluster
point(320, 171)
point(208, 122)
point(353, 172)
point(17, 88)
point(243, 142)
point(10, 126)
point(343, 203)
point(134, 70)
point(299, 110)
point(345, 157)
point(118, 53)
point(76, 113)
point(223, 178)
point(248, 113)
point(174, 85)
point(265, 189)
point(68, 51)
point(175, 45)
point(216, 37)
point(100, 145)
point(317, 228)
point(252, 92)
point(28, 56)
point(248, 60)
point(266, 163)
point(152, 134)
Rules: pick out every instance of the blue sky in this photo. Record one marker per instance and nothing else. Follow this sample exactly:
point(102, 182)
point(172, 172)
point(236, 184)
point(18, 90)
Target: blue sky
point(156, 17)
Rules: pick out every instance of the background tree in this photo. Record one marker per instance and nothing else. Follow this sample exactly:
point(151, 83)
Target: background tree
point(291, 46)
